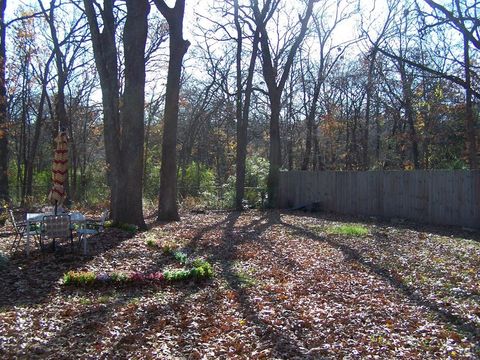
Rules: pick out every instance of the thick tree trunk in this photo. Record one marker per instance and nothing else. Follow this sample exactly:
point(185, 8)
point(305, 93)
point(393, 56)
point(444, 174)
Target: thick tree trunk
point(3, 109)
point(168, 209)
point(129, 197)
point(116, 146)
point(167, 206)
point(105, 52)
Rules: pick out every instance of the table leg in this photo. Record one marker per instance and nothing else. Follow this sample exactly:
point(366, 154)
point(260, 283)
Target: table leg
point(27, 246)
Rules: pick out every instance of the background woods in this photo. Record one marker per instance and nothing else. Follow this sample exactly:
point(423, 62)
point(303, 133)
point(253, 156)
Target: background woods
point(241, 90)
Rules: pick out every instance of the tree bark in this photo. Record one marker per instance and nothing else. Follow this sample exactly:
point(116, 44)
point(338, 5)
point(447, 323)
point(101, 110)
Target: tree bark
point(3, 109)
point(123, 128)
point(167, 205)
point(129, 198)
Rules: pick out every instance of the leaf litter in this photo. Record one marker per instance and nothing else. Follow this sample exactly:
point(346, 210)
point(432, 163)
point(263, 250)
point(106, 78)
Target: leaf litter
point(285, 287)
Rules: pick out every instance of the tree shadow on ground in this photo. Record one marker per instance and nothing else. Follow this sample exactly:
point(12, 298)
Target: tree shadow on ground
point(466, 326)
point(441, 230)
point(92, 323)
point(30, 280)
point(226, 255)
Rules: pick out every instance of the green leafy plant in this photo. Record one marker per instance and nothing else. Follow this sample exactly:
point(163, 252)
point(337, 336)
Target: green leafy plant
point(169, 247)
point(197, 269)
point(256, 172)
point(181, 257)
point(119, 277)
point(202, 269)
point(79, 278)
point(176, 275)
point(151, 243)
point(122, 226)
point(350, 230)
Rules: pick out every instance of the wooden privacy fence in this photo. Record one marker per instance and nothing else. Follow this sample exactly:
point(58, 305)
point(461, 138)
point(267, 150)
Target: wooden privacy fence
point(447, 197)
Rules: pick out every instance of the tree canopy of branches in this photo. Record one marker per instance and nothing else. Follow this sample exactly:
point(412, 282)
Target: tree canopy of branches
point(265, 86)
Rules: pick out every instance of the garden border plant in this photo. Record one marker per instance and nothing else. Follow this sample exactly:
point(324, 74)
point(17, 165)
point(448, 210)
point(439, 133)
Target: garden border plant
point(197, 269)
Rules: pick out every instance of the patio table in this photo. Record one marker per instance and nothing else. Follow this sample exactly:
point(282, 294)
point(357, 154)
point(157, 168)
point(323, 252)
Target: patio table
point(75, 217)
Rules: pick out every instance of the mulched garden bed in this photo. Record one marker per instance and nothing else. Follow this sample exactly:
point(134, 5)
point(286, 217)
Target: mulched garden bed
point(285, 285)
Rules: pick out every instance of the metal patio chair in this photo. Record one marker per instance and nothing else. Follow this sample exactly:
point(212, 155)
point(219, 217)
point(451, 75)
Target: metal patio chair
point(56, 227)
point(90, 229)
point(20, 229)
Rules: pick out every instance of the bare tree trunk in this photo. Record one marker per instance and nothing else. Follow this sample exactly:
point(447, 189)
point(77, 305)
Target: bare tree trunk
point(60, 118)
point(371, 64)
point(105, 53)
point(241, 128)
point(409, 112)
point(126, 198)
point(242, 112)
point(167, 206)
point(310, 123)
point(469, 118)
point(129, 198)
point(275, 89)
point(3, 109)
point(378, 129)
point(36, 136)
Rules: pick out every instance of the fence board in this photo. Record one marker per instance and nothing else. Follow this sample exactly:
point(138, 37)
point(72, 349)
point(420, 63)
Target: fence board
point(433, 196)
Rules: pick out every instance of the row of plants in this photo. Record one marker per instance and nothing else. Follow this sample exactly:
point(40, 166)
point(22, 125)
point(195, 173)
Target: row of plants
point(197, 269)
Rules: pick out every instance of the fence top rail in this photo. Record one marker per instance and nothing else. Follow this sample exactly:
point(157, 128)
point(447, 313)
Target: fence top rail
point(433, 171)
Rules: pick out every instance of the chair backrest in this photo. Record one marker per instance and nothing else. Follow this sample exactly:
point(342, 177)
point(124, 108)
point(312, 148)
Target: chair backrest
point(56, 226)
point(13, 221)
point(103, 218)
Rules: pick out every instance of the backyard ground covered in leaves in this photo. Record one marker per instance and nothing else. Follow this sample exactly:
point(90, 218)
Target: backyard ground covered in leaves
point(286, 285)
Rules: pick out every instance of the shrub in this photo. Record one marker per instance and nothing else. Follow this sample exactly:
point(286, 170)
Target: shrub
point(256, 173)
point(196, 179)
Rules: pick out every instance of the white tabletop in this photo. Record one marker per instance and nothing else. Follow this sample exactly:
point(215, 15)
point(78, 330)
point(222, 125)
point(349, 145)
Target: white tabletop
point(74, 216)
